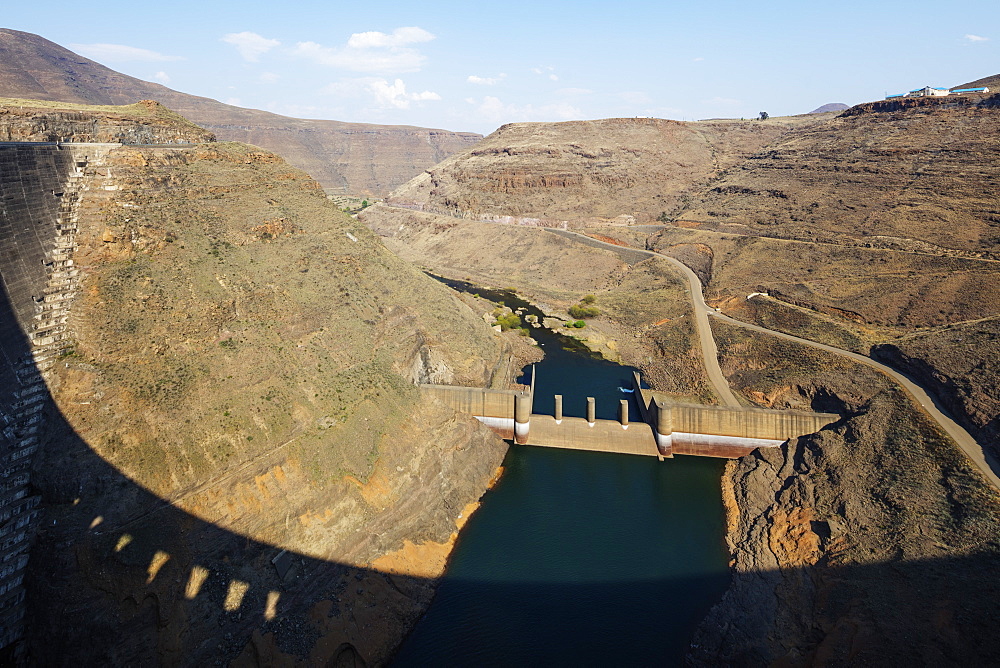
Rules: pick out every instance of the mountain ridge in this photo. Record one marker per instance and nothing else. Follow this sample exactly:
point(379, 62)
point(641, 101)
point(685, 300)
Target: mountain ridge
point(357, 158)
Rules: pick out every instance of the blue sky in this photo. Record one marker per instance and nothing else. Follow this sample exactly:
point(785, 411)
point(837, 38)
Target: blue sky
point(469, 66)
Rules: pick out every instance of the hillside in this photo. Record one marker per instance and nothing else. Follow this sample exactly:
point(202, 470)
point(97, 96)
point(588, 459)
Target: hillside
point(917, 175)
point(991, 82)
point(356, 158)
point(232, 435)
point(583, 170)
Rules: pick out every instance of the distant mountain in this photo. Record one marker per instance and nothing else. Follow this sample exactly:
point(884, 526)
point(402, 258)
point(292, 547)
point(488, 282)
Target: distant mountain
point(991, 82)
point(356, 158)
point(831, 106)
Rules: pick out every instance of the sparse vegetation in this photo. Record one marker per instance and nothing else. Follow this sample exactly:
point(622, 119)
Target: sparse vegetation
point(581, 311)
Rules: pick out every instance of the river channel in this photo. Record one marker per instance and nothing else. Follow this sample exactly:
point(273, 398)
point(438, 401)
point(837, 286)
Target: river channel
point(579, 558)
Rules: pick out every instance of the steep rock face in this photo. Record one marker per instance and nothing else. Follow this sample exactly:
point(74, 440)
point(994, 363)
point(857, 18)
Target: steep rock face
point(917, 175)
point(357, 158)
point(232, 436)
point(961, 366)
point(635, 168)
point(146, 122)
point(872, 542)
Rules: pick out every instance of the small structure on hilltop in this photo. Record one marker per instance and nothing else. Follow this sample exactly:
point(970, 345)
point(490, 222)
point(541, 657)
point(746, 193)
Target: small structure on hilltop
point(930, 91)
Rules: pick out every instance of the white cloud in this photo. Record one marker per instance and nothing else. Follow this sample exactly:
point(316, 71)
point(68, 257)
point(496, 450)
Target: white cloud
point(486, 81)
point(375, 52)
point(250, 45)
point(977, 38)
point(553, 77)
point(235, 101)
point(697, 60)
point(268, 77)
point(494, 110)
point(162, 77)
point(574, 91)
point(119, 53)
point(400, 37)
point(394, 95)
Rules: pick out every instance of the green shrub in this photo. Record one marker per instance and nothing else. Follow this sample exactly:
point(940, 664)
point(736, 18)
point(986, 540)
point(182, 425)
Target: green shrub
point(579, 324)
point(509, 321)
point(589, 299)
point(580, 311)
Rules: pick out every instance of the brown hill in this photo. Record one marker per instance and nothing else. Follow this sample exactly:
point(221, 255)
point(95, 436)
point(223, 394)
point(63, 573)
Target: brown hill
point(917, 175)
point(639, 167)
point(991, 82)
point(830, 106)
point(356, 158)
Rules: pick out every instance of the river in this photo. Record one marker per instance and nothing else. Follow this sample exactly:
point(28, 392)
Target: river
point(579, 558)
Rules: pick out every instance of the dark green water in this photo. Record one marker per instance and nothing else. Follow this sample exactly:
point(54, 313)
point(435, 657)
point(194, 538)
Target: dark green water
point(580, 558)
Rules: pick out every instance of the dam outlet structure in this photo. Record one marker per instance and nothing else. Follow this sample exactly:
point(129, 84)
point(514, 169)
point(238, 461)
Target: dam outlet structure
point(667, 428)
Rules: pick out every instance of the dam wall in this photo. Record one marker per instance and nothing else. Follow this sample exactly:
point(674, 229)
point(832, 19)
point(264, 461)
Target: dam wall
point(40, 189)
point(666, 428)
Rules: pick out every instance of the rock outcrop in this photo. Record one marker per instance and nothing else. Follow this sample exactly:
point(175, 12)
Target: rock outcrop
point(872, 542)
point(916, 175)
point(146, 122)
point(356, 158)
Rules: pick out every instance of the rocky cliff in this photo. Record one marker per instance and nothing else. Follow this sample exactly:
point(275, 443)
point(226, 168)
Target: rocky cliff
point(626, 169)
point(356, 158)
point(146, 122)
point(234, 461)
point(872, 542)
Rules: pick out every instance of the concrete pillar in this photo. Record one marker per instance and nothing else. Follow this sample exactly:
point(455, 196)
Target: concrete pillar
point(623, 413)
point(522, 416)
point(558, 411)
point(664, 429)
point(591, 411)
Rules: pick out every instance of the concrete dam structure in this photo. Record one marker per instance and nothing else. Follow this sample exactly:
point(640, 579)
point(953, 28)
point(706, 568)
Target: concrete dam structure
point(40, 186)
point(664, 428)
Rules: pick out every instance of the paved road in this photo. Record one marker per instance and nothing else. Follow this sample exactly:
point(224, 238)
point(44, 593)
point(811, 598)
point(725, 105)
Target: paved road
point(984, 462)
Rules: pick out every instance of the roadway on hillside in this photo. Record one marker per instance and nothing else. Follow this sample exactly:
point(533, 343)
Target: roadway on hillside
point(983, 461)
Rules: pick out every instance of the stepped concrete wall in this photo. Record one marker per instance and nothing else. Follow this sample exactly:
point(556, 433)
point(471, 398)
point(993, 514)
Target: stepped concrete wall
point(40, 188)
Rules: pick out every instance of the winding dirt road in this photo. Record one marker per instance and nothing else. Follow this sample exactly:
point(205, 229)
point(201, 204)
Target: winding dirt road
point(975, 451)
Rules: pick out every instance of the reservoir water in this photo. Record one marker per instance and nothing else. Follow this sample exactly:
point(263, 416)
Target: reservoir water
point(579, 558)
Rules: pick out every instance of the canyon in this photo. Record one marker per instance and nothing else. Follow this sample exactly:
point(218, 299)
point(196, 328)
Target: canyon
point(870, 231)
point(212, 372)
